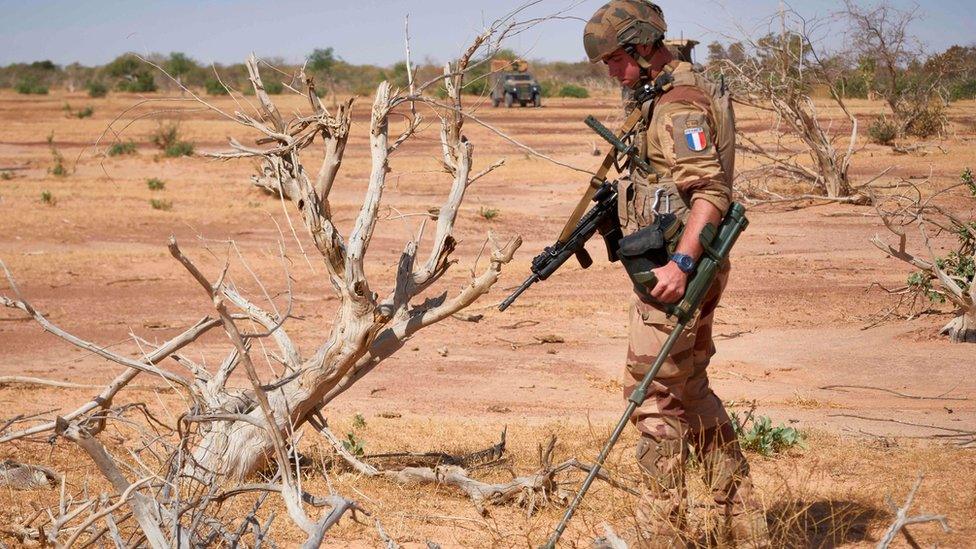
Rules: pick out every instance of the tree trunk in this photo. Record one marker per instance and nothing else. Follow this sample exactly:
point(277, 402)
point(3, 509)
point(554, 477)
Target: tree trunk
point(962, 329)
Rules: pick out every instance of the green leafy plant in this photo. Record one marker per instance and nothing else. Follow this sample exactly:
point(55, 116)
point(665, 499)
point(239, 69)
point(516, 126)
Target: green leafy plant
point(358, 421)
point(97, 89)
point(921, 282)
point(759, 435)
point(488, 213)
point(155, 184)
point(122, 148)
point(969, 181)
point(572, 90)
point(354, 445)
point(48, 198)
point(160, 204)
point(85, 113)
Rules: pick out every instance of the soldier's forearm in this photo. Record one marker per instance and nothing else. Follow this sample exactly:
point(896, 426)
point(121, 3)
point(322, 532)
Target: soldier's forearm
point(702, 212)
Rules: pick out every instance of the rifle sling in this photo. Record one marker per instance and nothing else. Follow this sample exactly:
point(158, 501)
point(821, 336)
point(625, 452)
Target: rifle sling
point(598, 179)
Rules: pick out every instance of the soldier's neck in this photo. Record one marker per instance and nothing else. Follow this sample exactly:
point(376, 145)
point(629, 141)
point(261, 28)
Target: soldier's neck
point(659, 59)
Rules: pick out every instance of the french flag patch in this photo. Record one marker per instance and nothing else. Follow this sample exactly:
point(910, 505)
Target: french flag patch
point(696, 139)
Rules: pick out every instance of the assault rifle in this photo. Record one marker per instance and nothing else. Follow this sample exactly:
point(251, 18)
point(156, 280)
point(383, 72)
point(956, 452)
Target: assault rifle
point(601, 218)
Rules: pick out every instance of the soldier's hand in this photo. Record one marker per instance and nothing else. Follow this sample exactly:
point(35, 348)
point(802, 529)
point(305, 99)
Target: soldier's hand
point(671, 283)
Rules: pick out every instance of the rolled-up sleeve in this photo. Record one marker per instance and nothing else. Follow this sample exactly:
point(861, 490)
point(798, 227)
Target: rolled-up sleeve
point(687, 140)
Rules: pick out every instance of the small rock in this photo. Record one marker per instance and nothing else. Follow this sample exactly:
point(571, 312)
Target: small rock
point(442, 351)
point(551, 338)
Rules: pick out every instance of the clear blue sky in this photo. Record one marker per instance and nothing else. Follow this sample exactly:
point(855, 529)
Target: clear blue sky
point(365, 31)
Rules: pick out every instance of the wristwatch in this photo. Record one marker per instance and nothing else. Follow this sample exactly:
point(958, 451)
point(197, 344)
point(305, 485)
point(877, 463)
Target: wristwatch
point(684, 262)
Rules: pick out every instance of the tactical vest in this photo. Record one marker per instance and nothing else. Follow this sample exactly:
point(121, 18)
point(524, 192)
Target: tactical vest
point(688, 86)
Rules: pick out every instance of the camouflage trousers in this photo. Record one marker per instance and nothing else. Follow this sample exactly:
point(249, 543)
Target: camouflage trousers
point(681, 412)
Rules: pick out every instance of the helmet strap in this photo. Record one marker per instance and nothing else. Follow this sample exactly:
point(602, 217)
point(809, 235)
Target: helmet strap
point(645, 65)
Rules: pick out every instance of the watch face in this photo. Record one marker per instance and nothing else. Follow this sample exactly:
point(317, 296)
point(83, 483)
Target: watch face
point(684, 262)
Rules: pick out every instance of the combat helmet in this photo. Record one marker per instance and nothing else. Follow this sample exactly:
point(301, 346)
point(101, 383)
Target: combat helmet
point(623, 24)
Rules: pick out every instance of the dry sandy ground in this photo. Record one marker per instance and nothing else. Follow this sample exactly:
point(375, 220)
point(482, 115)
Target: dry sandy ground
point(792, 322)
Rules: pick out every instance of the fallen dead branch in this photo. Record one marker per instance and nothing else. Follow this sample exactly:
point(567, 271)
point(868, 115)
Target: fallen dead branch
point(903, 520)
point(889, 391)
point(962, 437)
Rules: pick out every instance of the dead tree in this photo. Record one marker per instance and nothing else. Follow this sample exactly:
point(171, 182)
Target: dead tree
point(184, 471)
point(776, 77)
point(939, 278)
point(881, 37)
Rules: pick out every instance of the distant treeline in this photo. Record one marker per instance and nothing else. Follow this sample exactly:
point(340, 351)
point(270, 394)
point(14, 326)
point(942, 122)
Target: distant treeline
point(951, 74)
point(129, 73)
point(955, 70)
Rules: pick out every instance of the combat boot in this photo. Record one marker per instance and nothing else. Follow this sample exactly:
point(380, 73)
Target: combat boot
point(741, 521)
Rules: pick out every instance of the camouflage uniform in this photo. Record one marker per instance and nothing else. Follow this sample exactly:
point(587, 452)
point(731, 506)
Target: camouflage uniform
point(681, 408)
point(689, 141)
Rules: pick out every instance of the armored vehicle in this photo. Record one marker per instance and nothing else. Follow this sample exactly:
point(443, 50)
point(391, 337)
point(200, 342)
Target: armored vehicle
point(511, 83)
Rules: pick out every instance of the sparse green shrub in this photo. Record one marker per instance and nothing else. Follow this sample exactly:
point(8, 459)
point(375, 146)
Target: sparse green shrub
point(358, 421)
point(97, 89)
point(488, 213)
point(140, 83)
point(155, 184)
point(930, 121)
point(882, 132)
point(480, 86)
point(547, 87)
point(758, 434)
point(6, 176)
point(58, 169)
point(122, 148)
point(572, 90)
point(85, 113)
point(48, 198)
point(180, 148)
point(160, 204)
point(274, 87)
point(165, 135)
point(214, 87)
point(167, 138)
point(958, 264)
point(30, 86)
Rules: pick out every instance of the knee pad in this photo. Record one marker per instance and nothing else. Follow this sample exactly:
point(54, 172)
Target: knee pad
point(662, 461)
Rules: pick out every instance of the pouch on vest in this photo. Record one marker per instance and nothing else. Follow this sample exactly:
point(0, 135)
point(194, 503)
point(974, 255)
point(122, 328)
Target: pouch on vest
point(646, 250)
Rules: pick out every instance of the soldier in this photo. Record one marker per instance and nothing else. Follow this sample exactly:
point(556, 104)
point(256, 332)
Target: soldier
point(687, 135)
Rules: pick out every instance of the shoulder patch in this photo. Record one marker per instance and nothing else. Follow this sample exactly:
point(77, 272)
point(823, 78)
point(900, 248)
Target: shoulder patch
point(692, 135)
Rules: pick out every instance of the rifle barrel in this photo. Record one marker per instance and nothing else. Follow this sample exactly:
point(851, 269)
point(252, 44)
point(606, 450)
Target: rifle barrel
point(525, 286)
